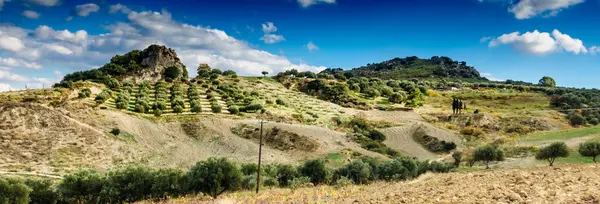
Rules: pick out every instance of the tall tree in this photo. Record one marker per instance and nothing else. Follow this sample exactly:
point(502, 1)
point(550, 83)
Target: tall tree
point(553, 151)
point(547, 81)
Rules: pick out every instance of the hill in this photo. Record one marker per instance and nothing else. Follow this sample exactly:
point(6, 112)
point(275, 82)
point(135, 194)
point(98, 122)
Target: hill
point(154, 63)
point(412, 67)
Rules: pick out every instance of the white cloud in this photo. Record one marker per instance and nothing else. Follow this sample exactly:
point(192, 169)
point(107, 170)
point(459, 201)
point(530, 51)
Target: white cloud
point(311, 46)
point(491, 77)
point(307, 3)
point(526, 9)
point(269, 27)
point(119, 8)
point(594, 49)
point(31, 14)
point(17, 63)
point(70, 18)
point(194, 44)
point(540, 43)
point(272, 38)
point(10, 43)
point(43, 2)
point(485, 39)
point(86, 9)
point(1, 4)
point(9, 76)
point(5, 87)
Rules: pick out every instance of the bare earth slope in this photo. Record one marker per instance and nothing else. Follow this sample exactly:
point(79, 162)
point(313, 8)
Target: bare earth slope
point(401, 139)
point(563, 184)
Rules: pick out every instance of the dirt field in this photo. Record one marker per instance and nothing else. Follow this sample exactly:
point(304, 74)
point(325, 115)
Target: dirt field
point(400, 139)
point(561, 184)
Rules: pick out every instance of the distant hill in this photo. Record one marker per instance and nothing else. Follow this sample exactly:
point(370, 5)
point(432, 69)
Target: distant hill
point(154, 63)
point(412, 67)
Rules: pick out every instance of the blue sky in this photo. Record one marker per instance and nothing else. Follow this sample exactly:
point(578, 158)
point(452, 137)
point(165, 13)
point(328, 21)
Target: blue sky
point(41, 40)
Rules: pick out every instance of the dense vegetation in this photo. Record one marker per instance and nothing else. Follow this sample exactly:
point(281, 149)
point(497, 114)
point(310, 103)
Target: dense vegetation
point(410, 67)
point(211, 177)
point(120, 66)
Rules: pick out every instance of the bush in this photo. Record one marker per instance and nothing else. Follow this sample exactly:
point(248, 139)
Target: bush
point(83, 186)
point(214, 176)
point(590, 149)
point(171, 73)
point(487, 154)
point(234, 110)
point(42, 192)
point(342, 181)
point(249, 169)
point(285, 174)
point(552, 151)
point(128, 184)
point(12, 190)
point(270, 181)
point(253, 107)
point(300, 182)
point(397, 169)
point(85, 93)
point(358, 171)
point(280, 102)
point(177, 109)
point(457, 156)
point(115, 131)
point(376, 135)
point(576, 119)
point(396, 98)
point(316, 171)
point(448, 146)
point(215, 107)
point(168, 182)
point(158, 113)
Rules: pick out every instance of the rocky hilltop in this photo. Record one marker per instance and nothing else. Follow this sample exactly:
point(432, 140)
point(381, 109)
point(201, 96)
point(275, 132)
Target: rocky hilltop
point(154, 63)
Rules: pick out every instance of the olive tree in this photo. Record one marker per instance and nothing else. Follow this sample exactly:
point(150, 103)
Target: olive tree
point(488, 153)
point(214, 176)
point(552, 151)
point(590, 149)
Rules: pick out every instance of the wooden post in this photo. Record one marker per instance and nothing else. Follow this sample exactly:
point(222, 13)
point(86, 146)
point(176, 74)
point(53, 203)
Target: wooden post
point(259, 156)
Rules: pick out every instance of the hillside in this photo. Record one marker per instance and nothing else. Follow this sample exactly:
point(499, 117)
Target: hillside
point(412, 67)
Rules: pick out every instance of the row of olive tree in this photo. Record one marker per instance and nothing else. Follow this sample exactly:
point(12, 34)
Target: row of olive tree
point(211, 177)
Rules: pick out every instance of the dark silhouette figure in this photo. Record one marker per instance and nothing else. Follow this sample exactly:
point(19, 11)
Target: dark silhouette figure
point(460, 106)
point(454, 105)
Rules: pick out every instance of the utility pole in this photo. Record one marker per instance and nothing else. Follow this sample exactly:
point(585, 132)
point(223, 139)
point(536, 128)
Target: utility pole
point(259, 155)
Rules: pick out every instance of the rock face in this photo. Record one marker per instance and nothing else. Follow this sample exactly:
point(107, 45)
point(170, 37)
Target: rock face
point(156, 59)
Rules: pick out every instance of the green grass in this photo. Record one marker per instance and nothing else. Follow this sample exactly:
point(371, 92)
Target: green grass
point(561, 135)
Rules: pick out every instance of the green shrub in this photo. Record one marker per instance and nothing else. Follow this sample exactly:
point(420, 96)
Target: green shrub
point(300, 182)
point(83, 186)
point(358, 171)
point(280, 102)
point(398, 169)
point(590, 149)
point(234, 109)
point(249, 168)
point(376, 135)
point(85, 93)
point(248, 182)
point(285, 174)
point(128, 184)
point(316, 171)
point(487, 154)
point(215, 107)
point(457, 156)
point(115, 131)
point(168, 183)
point(42, 192)
point(158, 113)
point(214, 176)
point(270, 181)
point(13, 190)
point(139, 108)
point(552, 151)
point(253, 107)
point(177, 109)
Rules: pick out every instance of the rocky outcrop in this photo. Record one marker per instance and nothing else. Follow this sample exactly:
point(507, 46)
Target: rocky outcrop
point(155, 60)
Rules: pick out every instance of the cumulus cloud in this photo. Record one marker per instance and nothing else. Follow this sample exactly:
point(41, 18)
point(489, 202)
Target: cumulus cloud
point(1, 4)
point(31, 14)
point(526, 9)
point(594, 49)
point(18, 63)
point(540, 43)
point(307, 3)
point(272, 38)
point(86, 9)
point(311, 46)
point(79, 50)
point(269, 27)
point(43, 2)
point(119, 8)
point(5, 87)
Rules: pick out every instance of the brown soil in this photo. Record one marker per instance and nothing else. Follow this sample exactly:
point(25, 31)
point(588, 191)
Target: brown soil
point(562, 184)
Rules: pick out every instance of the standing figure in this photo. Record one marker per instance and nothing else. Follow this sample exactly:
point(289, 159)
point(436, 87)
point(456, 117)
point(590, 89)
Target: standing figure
point(454, 105)
point(460, 104)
